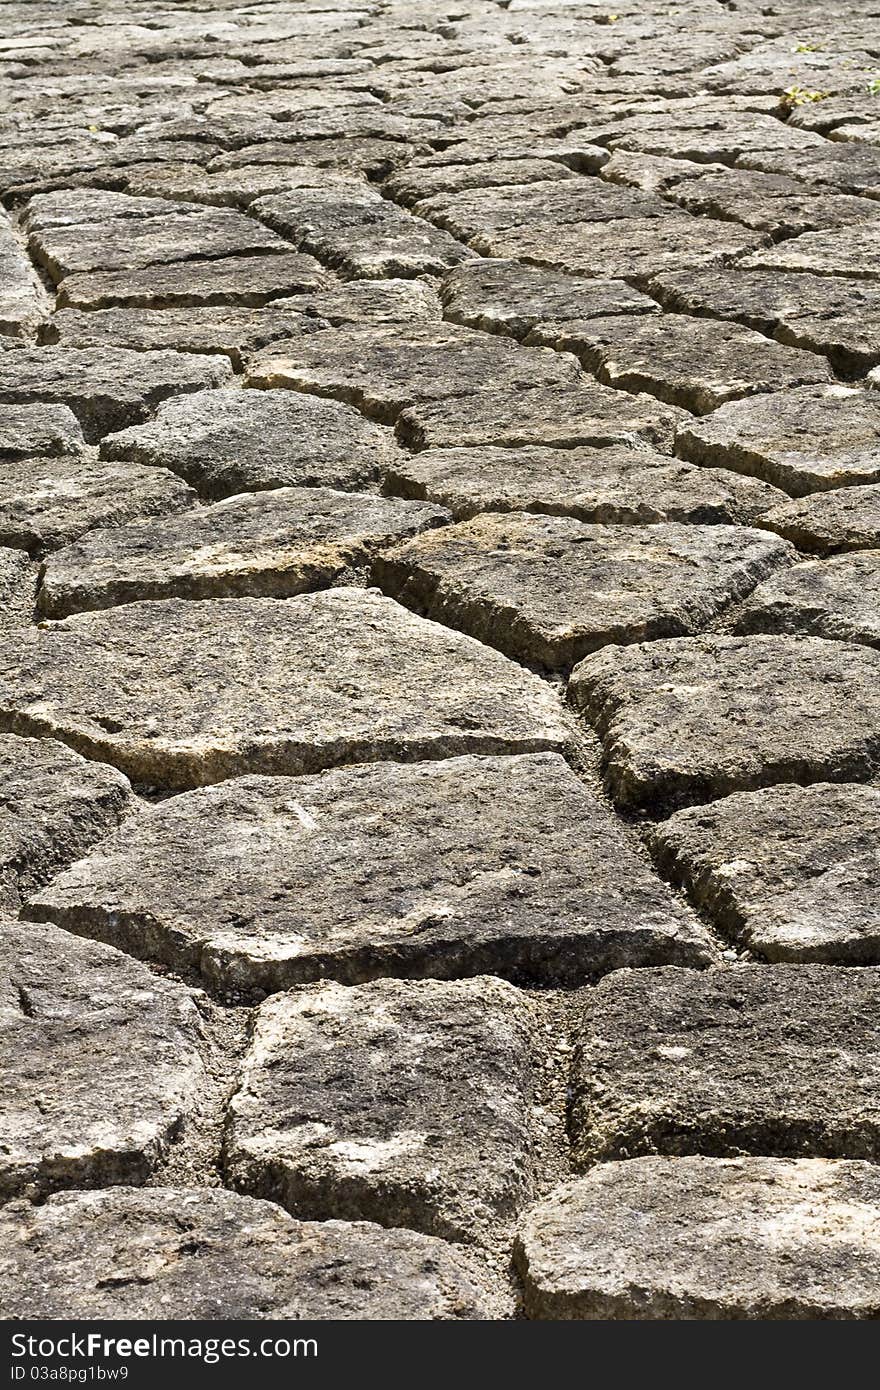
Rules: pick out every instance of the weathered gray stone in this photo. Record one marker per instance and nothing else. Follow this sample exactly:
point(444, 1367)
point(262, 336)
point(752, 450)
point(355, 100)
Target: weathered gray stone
point(377, 870)
point(258, 545)
point(480, 215)
point(837, 598)
point(548, 590)
point(725, 1062)
point(101, 1062)
point(770, 203)
point(411, 185)
point(23, 303)
point(246, 280)
point(805, 440)
point(352, 303)
point(54, 805)
point(26, 430)
point(792, 872)
point(719, 138)
point(706, 1239)
point(230, 441)
point(166, 691)
point(18, 589)
point(407, 1102)
point(845, 519)
point(225, 187)
point(853, 252)
point(208, 1254)
point(689, 719)
point(507, 297)
point(105, 388)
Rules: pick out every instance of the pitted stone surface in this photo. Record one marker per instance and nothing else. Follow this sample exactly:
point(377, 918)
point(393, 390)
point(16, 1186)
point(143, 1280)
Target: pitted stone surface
point(246, 280)
point(837, 598)
point(18, 589)
point(202, 1253)
point(853, 252)
point(165, 691)
point(690, 719)
point(707, 1239)
point(229, 441)
point(793, 872)
point(379, 870)
point(510, 297)
point(101, 1063)
point(846, 519)
point(407, 1102)
point(750, 1059)
point(26, 430)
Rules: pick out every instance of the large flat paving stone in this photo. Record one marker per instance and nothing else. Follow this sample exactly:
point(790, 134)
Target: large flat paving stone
point(258, 545)
point(245, 280)
point(47, 502)
point(793, 872)
point(837, 598)
point(850, 252)
point(168, 692)
point(498, 296)
point(23, 303)
point(690, 719)
point(105, 388)
point(806, 440)
point(18, 589)
point(101, 1062)
point(746, 1059)
point(54, 805)
point(377, 870)
point(28, 430)
point(228, 441)
point(549, 590)
point(212, 1255)
point(846, 519)
point(406, 1102)
point(609, 486)
point(706, 1239)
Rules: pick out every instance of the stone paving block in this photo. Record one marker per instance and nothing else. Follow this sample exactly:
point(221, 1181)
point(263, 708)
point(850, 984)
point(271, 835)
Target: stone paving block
point(18, 589)
point(54, 805)
point(548, 590)
point(231, 441)
point(377, 870)
point(101, 1063)
point(690, 719)
point(845, 519)
point(105, 388)
point(406, 1102)
point(38, 429)
point(608, 486)
point(498, 296)
point(837, 598)
point(741, 1060)
point(23, 303)
point(410, 185)
point(384, 370)
point(770, 203)
point(209, 1254)
point(245, 280)
point(371, 302)
point(478, 215)
point(706, 1239)
point(165, 691)
point(805, 440)
point(792, 872)
point(717, 139)
point(848, 168)
point(853, 253)
point(257, 545)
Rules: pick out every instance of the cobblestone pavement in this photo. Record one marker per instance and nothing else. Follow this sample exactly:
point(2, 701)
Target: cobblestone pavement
point(440, 659)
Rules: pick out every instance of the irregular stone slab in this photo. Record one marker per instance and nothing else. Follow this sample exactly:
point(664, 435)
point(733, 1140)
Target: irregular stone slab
point(697, 365)
point(54, 805)
point(18, 589)
point(101, 1062)
point(792, 872)
point(412, 185)
point(366, 302)
point(384, 370)
point(105, 388)
point(23, 304)
point(853, 252)
point(714, 138)
point(477, 215)
point(846, 519)
point(406, 1102)
point(230, 441)
point(770, 203)
point(548, 590)
point(837, 598)
point(26, 430)
point(725, 1062)
point(259, 545)
point(507, 297)
point(571, 416)
point(166, 691)
point(706, 1238)
point(71, 207)
point(805, 440)
point(608, 486)
point(376, 871)
point(246, 280)
point(208, 1254)
point(690, 719)
point(227, 187)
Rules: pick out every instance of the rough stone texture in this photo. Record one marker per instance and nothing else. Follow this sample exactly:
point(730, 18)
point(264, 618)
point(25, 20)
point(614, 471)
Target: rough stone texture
point(257, 545)
point(855, 252)
point(26, 430)
point(208, 1254)
point(549, 590)
point(744, 1060)
point(689, 719)
point(229, 441)
point(18, 589)
point(378, 870)
point(101, 1062)
point(165, 691)
point(707, 1239)
point(246, 280)
point(806, 440)
point(607, 486)
point(847, 519)
point(793, 872)
point(403, 1102)
point(509, 297)
point(22, 302)
point(837, 598)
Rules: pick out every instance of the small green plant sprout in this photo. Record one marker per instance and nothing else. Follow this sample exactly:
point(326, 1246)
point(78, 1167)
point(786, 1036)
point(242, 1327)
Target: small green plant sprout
point(809, 48)
point(800, 96)
point(874, 85)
